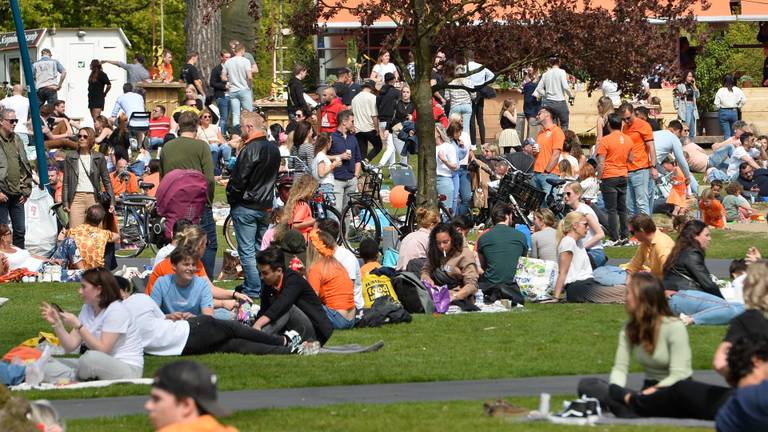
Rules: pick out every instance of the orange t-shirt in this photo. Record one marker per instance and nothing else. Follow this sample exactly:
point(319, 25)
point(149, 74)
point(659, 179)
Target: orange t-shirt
point(640, 132)
point(166, 268)
point(549, 140)
point(368, 267)
point(91, 241)
point(167, 68)
point(120, 187)
point(302, 212)
point(332, 284)
point(713, 214)
point(615, 147)
point(155, 180)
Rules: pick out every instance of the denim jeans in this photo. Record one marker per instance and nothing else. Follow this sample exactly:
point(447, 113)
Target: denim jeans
point(704, 308)
point(610, 275)
point(462, 191)
point(540, 182)
point(478, 106)
point(47, 95)
point(614, 191)
point(727, 117)
point(638, 200)
point(250, 226)
point(337, 320)
point(720, 157)
point(209, 256)
point(466, 113)
point(561, 110)
point(445, 187)
point(155, 143)
point(241, 99)
point(597, 257)
point(690, 118)
point(223, 104)
point(12, 212)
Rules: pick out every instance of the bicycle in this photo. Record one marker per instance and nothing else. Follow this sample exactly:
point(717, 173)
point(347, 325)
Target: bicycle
point(361, 215)
point(515, 190)
point(137, 232)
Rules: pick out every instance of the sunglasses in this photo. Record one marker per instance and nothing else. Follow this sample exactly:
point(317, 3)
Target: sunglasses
point(83, 136)
point(568, 194)
point(12, 121)
point(206, 116)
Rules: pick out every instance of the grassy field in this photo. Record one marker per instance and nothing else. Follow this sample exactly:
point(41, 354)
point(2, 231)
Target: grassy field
point(725, 245)
point(541, 340)
point(427, 416)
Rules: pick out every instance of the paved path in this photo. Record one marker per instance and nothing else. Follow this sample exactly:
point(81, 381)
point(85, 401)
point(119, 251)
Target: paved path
point(360, 394)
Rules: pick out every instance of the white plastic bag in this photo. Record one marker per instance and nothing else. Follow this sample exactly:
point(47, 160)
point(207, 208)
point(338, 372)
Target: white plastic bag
point(40, 238)
point(536, 278)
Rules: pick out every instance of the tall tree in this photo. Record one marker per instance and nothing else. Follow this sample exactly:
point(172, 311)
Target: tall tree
point(203, 35)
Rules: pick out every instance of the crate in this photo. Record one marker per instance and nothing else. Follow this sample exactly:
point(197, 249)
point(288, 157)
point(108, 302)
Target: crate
point(527, 197)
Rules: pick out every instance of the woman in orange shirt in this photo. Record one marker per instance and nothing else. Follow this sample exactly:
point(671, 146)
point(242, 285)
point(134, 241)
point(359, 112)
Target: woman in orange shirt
point(712, 211)
point(330, 280)
point(298, 214)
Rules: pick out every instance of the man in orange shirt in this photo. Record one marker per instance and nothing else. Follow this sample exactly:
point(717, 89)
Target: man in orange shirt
point(166, 71)
point(123, 180)
point(550, 144)
point(614, 153)
point(642, 169)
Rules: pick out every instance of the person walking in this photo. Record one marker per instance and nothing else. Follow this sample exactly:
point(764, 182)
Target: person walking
point(137, 72)
point(729, 99)
point(15, 177)
point(552, 90)
point(329, 111)
point(642, 168)
point(613, 156)
point(686, 94)
point(238, 74)
point(49, 75)
point(249, 193)
point(85, 179)
point(367, 121)
point(344, 144)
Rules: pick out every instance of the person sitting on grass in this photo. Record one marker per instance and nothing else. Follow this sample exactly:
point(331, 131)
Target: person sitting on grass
point(201, 334)
point(178, 227)
point(499, 249)
point(330, 281)
point(747, 409)
point(91, 239)
point(413, 247)
point(737, 208)
point(712, 211)
point(654, 249)
point(297, 214)
point(654, 337)
point(451, 263)
point(104, 326)
point(544, 238)
point(288, 301)
point(369, 253)
point(183, 295)
point(717, 187)
point(346, 258)
point(153, 177)
point(274, 220)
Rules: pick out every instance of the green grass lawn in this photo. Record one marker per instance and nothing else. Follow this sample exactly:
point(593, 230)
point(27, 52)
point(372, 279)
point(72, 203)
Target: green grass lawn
point(424, 416)
point(542, 340)
point(725, 244)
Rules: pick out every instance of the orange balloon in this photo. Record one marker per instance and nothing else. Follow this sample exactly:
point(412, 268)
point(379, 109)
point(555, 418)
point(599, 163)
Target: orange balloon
point(398, 197)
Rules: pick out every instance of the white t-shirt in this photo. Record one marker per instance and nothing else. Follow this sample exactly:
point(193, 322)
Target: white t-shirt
point(736, 160)
point(571, 160)
point(383, 69)
point(580, 268)
point(163, 254)
point(159, 336)
point(83, 177)
point(364, 109)
point(116, 319)
point(467, 142)
point(22, 259)
point(591, 188)
point(237, 69)
point(449, 151)
point(350, 262)
point(20, 104)
point(587, 210)
point(322, 157)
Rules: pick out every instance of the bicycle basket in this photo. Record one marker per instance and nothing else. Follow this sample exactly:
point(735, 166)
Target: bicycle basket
point(527, 197)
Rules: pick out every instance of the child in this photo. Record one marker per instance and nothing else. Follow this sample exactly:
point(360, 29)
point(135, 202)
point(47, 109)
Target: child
point(566, 170)
point(269, 234)
point(712, 212)
point(589, 183)
point(737, 208)
point(656, 110)
point(183, 295)
point(717, 187)
point(678, 195)
point(298, 214)
point(369, 253)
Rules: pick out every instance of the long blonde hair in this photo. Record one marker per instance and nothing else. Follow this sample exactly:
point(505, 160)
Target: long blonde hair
point(756, 287)
point(320, 249)
point(567, 223)
point(302, 190)
point(604, 106)
point(508, 103)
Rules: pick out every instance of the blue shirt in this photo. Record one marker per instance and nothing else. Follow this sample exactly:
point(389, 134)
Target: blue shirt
point(172, 298)
point(129, 103)
point(667, 143)
point(339, 145)
point(745, 411)
point(531, 105)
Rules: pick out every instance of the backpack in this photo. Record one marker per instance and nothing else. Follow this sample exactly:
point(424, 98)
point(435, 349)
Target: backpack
point(413, 295)
point(384, 310)
point(375, 286)
point(182, 194)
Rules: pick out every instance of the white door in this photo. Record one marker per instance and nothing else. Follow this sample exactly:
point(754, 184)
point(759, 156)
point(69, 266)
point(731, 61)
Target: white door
point(78, 64)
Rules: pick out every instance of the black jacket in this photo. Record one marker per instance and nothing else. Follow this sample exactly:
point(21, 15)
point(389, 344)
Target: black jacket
point(295, 95)
point(385, 102)
point(252, 181)
point(690, 272)
point(99, 176)
point(218, 85)
point(402, 110)
point(296, 291)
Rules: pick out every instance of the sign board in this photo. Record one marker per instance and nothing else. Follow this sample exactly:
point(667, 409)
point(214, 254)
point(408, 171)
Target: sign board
point(9, 41)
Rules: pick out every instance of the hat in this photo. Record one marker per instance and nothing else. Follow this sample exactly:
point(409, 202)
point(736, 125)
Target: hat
point(389, 76)
point(371, 84)
point(191, 379)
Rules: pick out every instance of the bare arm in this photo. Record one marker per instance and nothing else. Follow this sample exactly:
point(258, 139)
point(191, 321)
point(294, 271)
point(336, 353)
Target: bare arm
point(553, 161)
point(594, 225)
point(564, 263)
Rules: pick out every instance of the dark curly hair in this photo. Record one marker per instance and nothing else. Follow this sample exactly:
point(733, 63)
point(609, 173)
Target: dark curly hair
point(434, 255)
point(741, 355)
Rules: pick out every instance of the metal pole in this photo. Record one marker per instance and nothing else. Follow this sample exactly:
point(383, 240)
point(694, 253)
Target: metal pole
point(34, 104)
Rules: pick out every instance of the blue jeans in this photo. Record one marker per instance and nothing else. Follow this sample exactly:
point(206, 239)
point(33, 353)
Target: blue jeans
point(720, 157)
point(155, 143)
point(209, 257)
point(462, 191)
point(727, 117)
point(337, 320)
point(704, 308)
point(250, 226)
point(690, 118)
point(223, 104)
point(445, 187)
point(597, 257)
point(609, 275)
point(638, 200)
point(540, 182)
point(12, 212)
point(241, 99)
point(466, 113)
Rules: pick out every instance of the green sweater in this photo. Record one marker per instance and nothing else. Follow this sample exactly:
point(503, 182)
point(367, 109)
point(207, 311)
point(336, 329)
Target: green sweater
point(188, 153)
point(670, 362)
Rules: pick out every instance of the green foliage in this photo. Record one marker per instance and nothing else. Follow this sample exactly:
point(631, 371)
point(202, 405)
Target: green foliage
point(713, 62)
point(748, 61)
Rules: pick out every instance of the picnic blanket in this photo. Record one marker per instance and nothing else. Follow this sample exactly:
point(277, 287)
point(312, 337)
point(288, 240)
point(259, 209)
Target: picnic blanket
point(352, 348)
point(80, 385)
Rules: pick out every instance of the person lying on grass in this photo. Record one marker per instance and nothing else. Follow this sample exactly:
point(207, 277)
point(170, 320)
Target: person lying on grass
point(202, 334)
point(11, 258)
point(183, 295)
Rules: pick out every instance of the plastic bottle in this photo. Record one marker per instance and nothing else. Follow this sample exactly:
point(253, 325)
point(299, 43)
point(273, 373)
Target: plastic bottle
point(479, 299)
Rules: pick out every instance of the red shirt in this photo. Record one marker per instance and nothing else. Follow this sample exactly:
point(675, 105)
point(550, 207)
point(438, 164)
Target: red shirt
point(437, 112)
point(159, 128)
point(328, 115)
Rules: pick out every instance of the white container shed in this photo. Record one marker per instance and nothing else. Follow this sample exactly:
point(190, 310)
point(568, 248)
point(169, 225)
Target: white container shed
point(74, 48)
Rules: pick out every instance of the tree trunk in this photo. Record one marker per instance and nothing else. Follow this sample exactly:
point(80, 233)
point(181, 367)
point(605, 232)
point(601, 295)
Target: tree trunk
point(203, 38)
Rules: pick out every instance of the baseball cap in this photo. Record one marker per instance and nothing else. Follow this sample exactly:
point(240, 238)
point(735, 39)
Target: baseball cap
point(191, 379)
point(371, 84)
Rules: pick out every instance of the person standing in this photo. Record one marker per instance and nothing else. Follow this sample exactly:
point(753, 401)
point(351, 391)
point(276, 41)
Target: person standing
point(367, 121)
point(686, 94)
point(344, 144)
point(550, 142)
point(385, 106)
point(531, 104)
point(49, 75)
point(480, 79)
point(20, 105)
point(98, 87)
point(186, 152)
point(137, 73)
point(15, 177)
point(552, 90)
point(296, 91)
point(729, 99)
point(238, 74)
point(642, 169)
point(345, 87)
point(85, 177)
point(329, 111)
point(191, 74)
point(248, 56)
point(613, 156)
point(382, 67)
point(220, 87)
point(459, 98)
point(165, 73)
point(249, 193)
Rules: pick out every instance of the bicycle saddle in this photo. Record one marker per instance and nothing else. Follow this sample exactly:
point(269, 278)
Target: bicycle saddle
point(143, 185)
point(556, 182)
point(410, 189)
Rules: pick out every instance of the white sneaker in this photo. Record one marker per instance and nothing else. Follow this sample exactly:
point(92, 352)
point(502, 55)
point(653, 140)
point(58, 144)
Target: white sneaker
point(686, 319)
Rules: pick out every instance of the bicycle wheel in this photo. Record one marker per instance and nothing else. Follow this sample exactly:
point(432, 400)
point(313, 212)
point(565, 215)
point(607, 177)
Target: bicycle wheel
point(332, 213)
point(133, 237)
point(229, 233)
point(359, 222)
